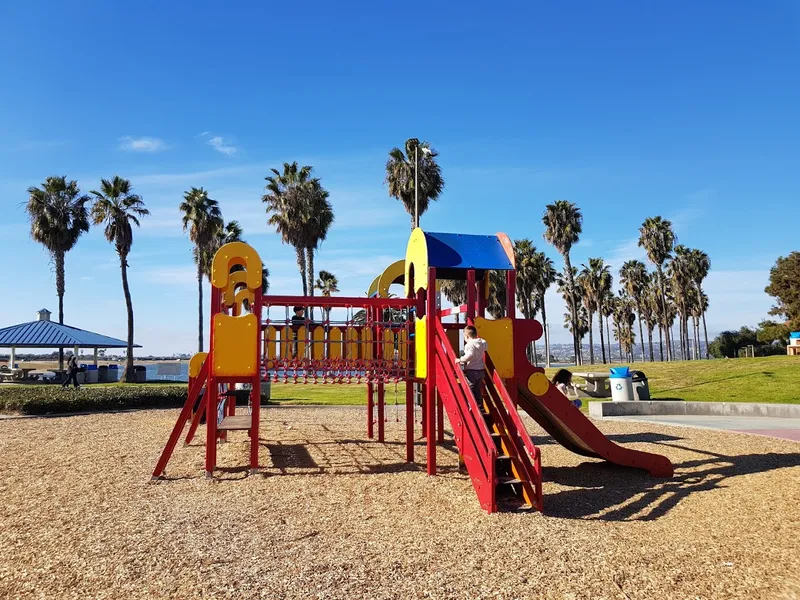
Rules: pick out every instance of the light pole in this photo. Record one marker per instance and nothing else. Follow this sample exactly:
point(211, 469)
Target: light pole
point(416, 181)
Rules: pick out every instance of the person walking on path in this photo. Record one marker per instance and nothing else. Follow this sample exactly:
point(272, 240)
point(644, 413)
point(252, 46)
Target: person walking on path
point(473, 361)
point(72, 373)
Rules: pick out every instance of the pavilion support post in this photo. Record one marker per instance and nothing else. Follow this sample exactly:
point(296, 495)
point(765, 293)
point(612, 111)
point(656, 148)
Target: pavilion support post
point(96, 353)
point(12, 357)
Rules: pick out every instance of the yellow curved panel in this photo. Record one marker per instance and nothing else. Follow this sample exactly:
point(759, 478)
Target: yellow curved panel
point(352, 344)
point(235, 344)
point(421, 347)
point(318, 346)
point(335, 336)
point(238, 278)
point(392, 273)
point(270, 343)
point(241, 295)
point(498, 334)
point(196, 363)
point(298, 349)
point(236, 253)
point(366, 344)
point(387, 346)
point(402, 344)
point(373, 287)
point(416, 256)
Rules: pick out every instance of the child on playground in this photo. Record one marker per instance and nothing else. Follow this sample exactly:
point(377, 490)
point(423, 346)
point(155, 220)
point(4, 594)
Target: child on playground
point(473, 361)
point(563, 382)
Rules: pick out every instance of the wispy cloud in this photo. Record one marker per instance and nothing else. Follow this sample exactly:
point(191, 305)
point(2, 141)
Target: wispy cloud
point(142, 144)
point(219, 144)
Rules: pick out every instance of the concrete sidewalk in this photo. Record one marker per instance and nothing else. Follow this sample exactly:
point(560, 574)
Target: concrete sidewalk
point(787, 429)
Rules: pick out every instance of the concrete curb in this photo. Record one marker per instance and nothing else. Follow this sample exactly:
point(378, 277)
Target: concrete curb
point(600, 410)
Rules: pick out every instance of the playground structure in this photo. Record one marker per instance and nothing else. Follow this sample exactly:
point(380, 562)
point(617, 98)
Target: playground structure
point(382, 340)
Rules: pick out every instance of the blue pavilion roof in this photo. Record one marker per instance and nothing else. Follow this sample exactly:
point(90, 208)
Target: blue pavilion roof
point(46, 334)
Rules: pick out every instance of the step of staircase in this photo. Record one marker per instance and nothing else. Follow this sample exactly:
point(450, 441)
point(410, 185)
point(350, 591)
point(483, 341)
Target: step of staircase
point(236, 423)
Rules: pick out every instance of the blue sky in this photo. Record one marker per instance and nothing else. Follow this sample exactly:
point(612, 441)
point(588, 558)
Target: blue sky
point(687, 110)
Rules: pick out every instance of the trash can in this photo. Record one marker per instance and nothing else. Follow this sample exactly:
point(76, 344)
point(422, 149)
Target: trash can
point(91, 374)
point(113, 373)
point(641, 388)
point(102, 374)
point(621, 384)
point(266, 391)
point(141, 373)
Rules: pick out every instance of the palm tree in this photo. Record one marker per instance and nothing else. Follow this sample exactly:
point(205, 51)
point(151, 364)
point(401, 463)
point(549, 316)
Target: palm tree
point(59, 217)
point(598, 282)
point(545, 276)
point(585, 289)
point(287, 210)
point(319, 218)
point(679, 270)
point(328, 285)
point(700, 266)
point(400, 172)
point(607, 310)
point(624, 318)
point(563, 225)
point(574, 298)
point(455, 290)
point(657, 238)
point(648, 310)
point(496, 305)
point(203, 220)
point(119, 208)
point(633, 277)
point(527, 298)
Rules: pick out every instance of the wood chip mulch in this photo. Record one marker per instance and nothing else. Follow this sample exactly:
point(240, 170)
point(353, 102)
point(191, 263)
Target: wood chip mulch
point(333, 515)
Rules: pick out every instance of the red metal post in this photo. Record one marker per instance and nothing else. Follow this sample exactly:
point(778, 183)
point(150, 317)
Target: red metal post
point(409, 420)
point(370, 404)
point(212, 390)
point(381, 400)
point(511, 294)
point(439, 419)
point(430, 396)
point(255, 392)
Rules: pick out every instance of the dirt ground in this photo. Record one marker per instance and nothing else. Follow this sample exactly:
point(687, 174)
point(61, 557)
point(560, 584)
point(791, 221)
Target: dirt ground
point(335, 516)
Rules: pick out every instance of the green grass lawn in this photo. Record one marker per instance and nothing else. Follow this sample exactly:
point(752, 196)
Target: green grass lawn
point(773, 379)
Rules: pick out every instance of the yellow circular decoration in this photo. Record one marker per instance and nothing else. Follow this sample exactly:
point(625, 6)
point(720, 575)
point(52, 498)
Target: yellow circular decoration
point(538, 384)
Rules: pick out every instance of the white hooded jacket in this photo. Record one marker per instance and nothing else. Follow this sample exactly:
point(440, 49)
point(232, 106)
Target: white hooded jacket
point(473, 355)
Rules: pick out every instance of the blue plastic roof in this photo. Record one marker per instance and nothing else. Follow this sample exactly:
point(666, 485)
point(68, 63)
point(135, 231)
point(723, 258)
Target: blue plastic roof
point(46, 334)
point(462, 251)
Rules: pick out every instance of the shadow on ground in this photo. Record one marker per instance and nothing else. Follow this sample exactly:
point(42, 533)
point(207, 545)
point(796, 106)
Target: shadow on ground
point(602, 491)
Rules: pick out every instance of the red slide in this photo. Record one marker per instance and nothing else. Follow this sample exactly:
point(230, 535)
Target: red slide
point(573, 430)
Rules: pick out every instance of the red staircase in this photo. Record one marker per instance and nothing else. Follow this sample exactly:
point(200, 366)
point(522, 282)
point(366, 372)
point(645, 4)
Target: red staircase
point(497, 451)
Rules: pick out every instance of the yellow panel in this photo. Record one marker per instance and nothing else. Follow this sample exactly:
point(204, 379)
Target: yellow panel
point(301, 341)
point(393, 272)
point(270, 343)
point(420, 346)
point(242, 295)
point(228, 294)
point(366, 344)
point(402, 343)
point(498, 334)
point(196, 363)
point(373, 287)
point(352, 344)
point(388, 344)
point(235, 344)
point(417, 255)
point(236, 253)
point(335, 336)
point(318, 347)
